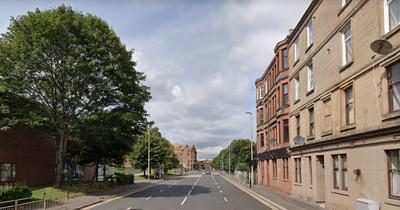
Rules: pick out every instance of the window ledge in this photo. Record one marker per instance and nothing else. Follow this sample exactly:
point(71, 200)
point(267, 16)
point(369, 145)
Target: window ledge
point(326, 133)
point(310, 91)
point(294, 64)
point(297, 184)
point(296, 101)
point(285, 180)
point(345, 66)
point(274, 178)
point(393, 202)
point(340, 192)
point(391, 32)
point(348, 127)
point(309, 138)
point(344, 7)
point(391, 116)
point(309, 47)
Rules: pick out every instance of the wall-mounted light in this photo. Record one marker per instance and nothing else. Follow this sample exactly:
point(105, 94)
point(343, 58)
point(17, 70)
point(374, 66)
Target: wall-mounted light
point(357, 171)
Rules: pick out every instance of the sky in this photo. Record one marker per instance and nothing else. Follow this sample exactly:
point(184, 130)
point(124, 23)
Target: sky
point(201, 58)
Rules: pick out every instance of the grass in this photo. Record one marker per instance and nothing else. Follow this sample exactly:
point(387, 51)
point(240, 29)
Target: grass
point(76, 190)
point(82, 188)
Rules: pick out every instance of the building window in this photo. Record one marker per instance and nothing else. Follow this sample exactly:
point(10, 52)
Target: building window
point(310, 170)
point(262, 115)
point(327, 116)
point(340, 181)
point(285, 168)
point(285, 94)
point(311, 114)
point(297, 86)
point(262, 140)
point(347, 52)
point(392, 14)
point(274, 168)
point(286, 130)
point(344, 2)
point(296, 50)
point(285, 58)
point(266, 86)
point(394, 87)
point(309, 34)
point(298, 125)
point(7, 172)
point(261, 90)
point(394, 173)
point(310, 74)
point(349, 105)
point(297, 163)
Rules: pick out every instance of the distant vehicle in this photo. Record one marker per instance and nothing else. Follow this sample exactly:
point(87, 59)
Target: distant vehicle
point(208, 171)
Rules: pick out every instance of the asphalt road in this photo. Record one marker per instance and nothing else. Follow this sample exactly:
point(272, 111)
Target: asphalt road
point(196, 191)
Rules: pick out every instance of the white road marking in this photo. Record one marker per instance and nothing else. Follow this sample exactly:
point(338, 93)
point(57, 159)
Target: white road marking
point(218, 187)
point(192, 187)
point(128, 208)
point(161, 190)
point(220, 191)
point(148, 198)
point(189, 192)
point(183, 201)
point(225, 199)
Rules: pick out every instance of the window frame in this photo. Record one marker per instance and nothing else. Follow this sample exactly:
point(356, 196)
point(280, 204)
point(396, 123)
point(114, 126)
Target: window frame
point(274, 168)
point(285, 63)
point(309, 34)
point(262, 140)
point(261, 115)
point(297, 88)
point(345, 50)
point(392, 84)
point(340, 175)
point(310, 77)
point(311, 118)
point(298, 124)
point(390, 169)
point(285, 88)
point(297, 163)
point(349, 105)
point(296, 50)
point(12, 173)
point(261, 88)
point(387, 15)
point(285, 130)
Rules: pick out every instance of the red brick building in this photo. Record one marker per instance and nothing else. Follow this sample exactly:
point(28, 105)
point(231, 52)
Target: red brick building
point(26, 156)
point(273, 122)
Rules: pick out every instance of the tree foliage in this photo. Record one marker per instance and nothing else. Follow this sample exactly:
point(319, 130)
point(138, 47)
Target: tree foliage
point(68, 66)
point(161, 151)
point(239, 155)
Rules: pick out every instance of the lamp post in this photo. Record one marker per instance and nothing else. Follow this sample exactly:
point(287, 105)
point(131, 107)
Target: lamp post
point(148, 157)
point(229, 159)
point(251, 146)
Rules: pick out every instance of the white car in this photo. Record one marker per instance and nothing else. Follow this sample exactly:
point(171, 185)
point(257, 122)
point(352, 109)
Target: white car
point(208, 171)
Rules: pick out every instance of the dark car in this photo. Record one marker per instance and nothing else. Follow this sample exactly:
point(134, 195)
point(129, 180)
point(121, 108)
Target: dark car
point(208, 171)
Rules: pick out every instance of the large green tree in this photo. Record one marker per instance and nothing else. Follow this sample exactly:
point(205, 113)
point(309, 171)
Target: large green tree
point(161, 151)
point(68, 66)
point(239, 155)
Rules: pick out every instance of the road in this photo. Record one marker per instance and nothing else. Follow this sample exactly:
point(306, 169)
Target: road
point(197, 191)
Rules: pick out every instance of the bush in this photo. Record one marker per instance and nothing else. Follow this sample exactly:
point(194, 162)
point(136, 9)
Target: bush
point(122, 179)
point(13, 192)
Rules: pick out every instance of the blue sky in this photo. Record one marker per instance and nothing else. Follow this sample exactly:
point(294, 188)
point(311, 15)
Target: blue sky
point(201, 58)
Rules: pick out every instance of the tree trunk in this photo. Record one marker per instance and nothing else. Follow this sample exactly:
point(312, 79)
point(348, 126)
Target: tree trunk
point(61, 150)
point(70, 174)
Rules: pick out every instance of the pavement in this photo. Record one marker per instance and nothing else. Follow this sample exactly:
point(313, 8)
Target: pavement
point(265, 195)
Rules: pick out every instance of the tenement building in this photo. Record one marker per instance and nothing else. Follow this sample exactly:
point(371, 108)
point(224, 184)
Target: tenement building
point(187, 156)
point(273, 123)
point(344, 85)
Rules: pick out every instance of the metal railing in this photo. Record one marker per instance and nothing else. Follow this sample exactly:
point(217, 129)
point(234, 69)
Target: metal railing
point(40, 202)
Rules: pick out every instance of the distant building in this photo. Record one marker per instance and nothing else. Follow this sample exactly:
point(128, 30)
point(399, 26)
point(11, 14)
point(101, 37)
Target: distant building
point(187, 156)
point(204, 164)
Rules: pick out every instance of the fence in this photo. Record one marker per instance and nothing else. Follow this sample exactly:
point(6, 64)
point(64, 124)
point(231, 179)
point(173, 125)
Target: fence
point(243, 177)
point(39, 202)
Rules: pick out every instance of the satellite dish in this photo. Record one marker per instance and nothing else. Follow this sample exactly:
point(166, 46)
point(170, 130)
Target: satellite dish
point(381, 46)
point(298, 140)
point(263, 148)
point(273, 141)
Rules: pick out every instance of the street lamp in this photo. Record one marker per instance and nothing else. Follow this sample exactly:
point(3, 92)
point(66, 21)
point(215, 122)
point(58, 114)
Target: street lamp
point(251, 146)
point(229, 157)
point(148, 157)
